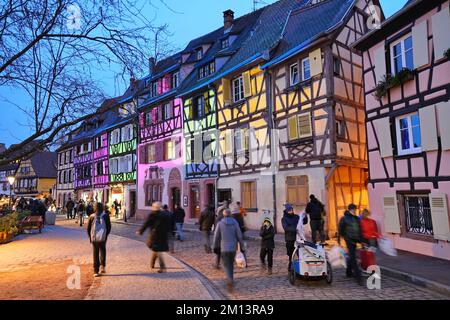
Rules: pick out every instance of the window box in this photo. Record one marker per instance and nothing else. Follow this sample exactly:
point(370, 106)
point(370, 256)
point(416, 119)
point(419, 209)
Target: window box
point(390, 82)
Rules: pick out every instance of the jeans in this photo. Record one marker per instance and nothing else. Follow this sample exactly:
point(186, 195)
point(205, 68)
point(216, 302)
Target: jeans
point(99, 251)
point(290, 247)
point(207, 240)
point(179, 226)
point(159, 256)
point(269, 253)
point(317, 226)
point(228, 264)
point(352, 265)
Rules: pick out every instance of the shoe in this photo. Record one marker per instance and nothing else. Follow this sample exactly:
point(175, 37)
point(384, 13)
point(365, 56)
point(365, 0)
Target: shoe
point(230, 287)
point(269, 272)
point(161, 270)
point(103, 269)
point(216, 266)
point(96, 275)
point(263, 265)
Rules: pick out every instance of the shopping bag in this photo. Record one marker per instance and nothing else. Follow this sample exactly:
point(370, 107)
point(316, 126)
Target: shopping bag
point(240, 259)
point(386, 246)
point(337, 257)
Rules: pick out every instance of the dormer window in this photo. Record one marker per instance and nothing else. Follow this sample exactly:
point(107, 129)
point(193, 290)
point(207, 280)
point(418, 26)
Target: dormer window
point(206, 70)
point(225, 43)
point(175, 80)
point(199, 54)
point(154, 89)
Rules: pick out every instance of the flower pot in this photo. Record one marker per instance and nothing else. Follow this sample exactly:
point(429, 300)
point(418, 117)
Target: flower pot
point(6, 237)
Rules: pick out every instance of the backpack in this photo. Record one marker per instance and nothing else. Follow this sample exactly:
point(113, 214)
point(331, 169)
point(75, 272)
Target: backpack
point(98, 230)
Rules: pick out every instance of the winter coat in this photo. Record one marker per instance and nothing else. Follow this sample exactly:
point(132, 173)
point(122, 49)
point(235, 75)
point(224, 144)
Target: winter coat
point(70, 205)
point(349, 227)
point(159, 223)
point(267, 233)
point(369, 229)
point(91, 219)
point(289, 222)
point(89, 209)
point(178, 215)
point(206, 220)
point(315, 210)
point(240, 220)
point(227, 235)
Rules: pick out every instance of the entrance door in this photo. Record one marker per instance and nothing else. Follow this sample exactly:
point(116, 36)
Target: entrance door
point(195, 201)
point(176, 198)
point(132, 203)
point(211, 194)
point(225, 194)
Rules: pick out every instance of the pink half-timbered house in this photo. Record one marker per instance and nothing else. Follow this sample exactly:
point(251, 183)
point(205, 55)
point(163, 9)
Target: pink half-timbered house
point(407, 92)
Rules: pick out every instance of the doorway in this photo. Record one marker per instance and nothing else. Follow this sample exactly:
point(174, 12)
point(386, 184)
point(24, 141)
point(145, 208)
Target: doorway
point(195, 201)
point(210, 194)
point(132, 203)
point(176, 198)
point(225, 194)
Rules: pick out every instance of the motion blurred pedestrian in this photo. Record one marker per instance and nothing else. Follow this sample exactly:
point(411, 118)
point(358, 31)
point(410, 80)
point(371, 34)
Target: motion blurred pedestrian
point(98, 229)
point(206, 222)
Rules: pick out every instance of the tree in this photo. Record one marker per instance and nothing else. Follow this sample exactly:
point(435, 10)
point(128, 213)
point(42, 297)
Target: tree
point(53, 49)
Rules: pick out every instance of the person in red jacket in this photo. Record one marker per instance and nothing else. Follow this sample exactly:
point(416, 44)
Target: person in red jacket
point(369, 229)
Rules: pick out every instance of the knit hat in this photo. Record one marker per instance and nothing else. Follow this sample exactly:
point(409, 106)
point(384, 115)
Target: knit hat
point(288, 207)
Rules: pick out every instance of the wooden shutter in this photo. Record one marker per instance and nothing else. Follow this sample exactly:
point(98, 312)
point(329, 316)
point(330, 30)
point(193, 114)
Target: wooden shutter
point(441, 27)
point(226, 91)
point(383, 131)
point(159, 151)
point(247, 84)
point(253, 194)
point(304, 125)
point(439, 216)
point(315, 61)
point(420, 44)
point(293, 128)
point(443, 111)
point(391, 215)
point(291, 190)
point(428, 128)
point(380, 63)
point(229, 142)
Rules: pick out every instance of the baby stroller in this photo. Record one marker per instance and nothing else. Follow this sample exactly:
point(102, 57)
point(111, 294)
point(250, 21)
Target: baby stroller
point(309, 261)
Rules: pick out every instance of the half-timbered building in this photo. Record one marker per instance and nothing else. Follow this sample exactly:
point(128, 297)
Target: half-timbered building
point(407, 92)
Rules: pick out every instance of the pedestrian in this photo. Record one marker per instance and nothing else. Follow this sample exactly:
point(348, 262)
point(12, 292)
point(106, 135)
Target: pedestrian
point(236, 213)
point(172, 228)
point(350, 230)
point(206, 221)
point(227, 235)
point(116, 208)
point(42, 209)
point(159, 224)
point(267, 233)
point(219, 217)
point(369, 229)
point(98, 229)
point(69, 207)
point(179, 216)
point(289, 222)
point(80, 211)
point(316, 211)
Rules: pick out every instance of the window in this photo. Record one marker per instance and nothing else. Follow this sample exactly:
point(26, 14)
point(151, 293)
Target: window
point(297, 190)
point(169, 150)
point(99, 168)
point(199, 54)
point(151, 153)
point(98, 142)
point(408, 134)
point(337, 66)
point(417, 210)
point(294, 74)
point(299, 127)
point(175, 80)
point(225, 43)
point(148, 118)
point(206, 70)
point(199, 107)
point(402, 55)
point(241, 140)
point(248, 194)
point(115, 136)
point(306, 69)
point(114, 166)
point(238, 89)
point(155, 89)
point(340, 129)
point(167, 111)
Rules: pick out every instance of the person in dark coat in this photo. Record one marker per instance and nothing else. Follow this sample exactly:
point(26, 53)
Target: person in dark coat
point(219, 217)
point(267, 233)
point(316, 211)
point(178, 216)
point(206, 221)
point(42, 209)
point(289, 222)
point(99, 247)
point(69, 207)
point(350, 230)
point(80, 211)
point(172, 228)
point(159, 223)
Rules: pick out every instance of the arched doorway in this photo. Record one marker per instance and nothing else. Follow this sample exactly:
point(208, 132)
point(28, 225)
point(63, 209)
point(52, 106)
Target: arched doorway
point(174, 188)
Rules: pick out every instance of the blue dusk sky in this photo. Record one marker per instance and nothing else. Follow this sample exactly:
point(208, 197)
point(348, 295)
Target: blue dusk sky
point(186, 20)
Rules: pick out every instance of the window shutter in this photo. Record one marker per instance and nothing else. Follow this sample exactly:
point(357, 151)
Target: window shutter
point(439, 216)
point(428, 128)
point(383, 131)
point(253, 195)
point(304, 124)
point(380, 64)
point(315, 60)
point(420, 44)
point(443, 110)
point(247, 84)
point(391, 215)
point(441, 27)
point(293, 128)
point(226, 91)
point(229, 142)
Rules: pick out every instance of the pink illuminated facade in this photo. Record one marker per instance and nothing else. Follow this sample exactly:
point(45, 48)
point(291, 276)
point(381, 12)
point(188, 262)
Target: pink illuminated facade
point(407, 92)
point(100, 168)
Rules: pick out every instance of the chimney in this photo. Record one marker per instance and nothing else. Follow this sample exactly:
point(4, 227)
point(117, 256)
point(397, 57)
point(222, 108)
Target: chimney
point(228, 18)
point(151, 65)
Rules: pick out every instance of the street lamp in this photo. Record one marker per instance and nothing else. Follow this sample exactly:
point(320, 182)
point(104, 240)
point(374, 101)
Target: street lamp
point(11, 180)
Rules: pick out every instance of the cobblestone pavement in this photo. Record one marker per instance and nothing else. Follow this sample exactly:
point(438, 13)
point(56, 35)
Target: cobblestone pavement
point(254, 284)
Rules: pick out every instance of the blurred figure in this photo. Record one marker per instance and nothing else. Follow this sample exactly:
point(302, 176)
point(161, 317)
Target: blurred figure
point(206, 221)
point(267, 233)
point(369, 229)
point(179, 216)
point(227, 235)
point(219, 217)
point(98, 229)
point(159, 224)
point(116, 206)
point(350, 230)
point(69, 207)
point(80, 212)
point(171, 235)
point(316, 211)
point(289, 222)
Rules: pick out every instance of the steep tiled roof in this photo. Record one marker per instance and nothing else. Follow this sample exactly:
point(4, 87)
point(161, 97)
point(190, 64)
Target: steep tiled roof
point(44, 164)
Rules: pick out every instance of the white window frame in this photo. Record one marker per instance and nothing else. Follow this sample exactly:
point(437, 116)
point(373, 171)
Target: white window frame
point(175, 80)
point(240, 83)
point(168, 111)
point(291, 74)
point(199, 54)
point(115, 136)
point(170, 152)
point(411, 150)
point(304, 78)
point(148, 116)
point(400, 41)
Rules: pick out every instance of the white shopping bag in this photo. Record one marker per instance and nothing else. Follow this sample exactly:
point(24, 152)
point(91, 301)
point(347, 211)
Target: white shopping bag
point(240, 259)
point(337, 257)
point(387, 247)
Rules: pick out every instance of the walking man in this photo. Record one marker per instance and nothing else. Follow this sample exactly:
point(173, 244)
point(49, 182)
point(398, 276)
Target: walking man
point(98, 229)
point(289, 222)
point(206, 221)
point(219, 217)
point(227, 235)
point(179, 216)
point(316, 211)
point(69, 207)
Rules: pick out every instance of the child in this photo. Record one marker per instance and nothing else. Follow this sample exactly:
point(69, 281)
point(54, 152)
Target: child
point(267, 234)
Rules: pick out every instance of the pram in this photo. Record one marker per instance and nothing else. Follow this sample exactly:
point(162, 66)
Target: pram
point(309, 261)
